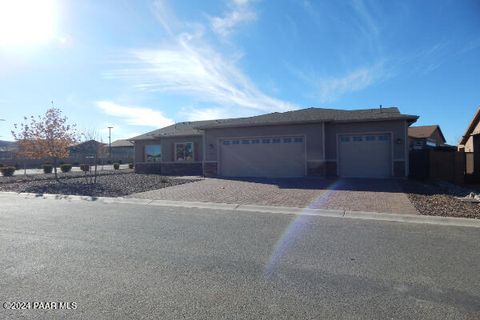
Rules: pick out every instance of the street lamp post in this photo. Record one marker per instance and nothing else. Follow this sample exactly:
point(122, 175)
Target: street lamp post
point(110, 142)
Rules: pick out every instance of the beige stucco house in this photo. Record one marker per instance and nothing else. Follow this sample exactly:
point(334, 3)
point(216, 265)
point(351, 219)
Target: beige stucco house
point(307, 142)
point(471, 138)
point(470, 144)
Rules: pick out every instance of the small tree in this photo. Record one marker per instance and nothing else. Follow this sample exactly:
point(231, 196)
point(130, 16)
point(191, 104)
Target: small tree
point(47, 136)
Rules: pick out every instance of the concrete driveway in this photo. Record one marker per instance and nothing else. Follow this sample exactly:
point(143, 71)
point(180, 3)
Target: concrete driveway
point(373, 195)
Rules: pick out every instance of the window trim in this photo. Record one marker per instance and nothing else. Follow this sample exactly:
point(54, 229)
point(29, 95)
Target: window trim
point(184, 160)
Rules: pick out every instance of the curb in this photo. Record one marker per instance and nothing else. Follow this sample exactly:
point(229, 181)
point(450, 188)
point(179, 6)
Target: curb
point(360, 215)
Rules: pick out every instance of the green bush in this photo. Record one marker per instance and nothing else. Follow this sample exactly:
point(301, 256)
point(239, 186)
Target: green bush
point(116, 166)
point(130, 166)
point(85, 167)
point(66, 167)
point(7, 171)
point(47, 168)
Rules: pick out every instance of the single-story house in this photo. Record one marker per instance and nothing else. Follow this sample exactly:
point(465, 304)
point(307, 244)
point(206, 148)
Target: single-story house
point(307, 142)
point(424, 137)
point(470, 144)
point(122, 151)
point(84, 152)
point(8, 150)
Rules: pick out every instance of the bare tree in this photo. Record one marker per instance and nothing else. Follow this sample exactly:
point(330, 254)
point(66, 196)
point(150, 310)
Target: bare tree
point(97, 152)
point(47, 136)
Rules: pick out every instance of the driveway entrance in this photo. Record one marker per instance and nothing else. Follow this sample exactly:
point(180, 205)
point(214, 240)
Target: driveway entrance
point(373, 195)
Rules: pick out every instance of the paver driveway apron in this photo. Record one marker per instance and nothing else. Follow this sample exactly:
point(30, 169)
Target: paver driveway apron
point(374, 195)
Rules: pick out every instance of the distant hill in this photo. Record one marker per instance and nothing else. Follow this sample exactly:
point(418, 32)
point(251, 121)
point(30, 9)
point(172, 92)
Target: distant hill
point(7, 145)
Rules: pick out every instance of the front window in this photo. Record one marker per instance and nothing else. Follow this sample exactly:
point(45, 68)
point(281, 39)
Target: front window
point(184, 151)
point(153, 153)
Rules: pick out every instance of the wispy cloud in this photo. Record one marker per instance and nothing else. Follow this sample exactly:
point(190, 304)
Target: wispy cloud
point(134, 115)
point(195, 114)
point(332, 88)
point(426, 59)
point(240, 12)
point(189, 65)
point(329, 89)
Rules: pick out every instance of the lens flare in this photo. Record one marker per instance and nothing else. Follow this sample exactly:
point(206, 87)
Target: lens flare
point(296, 227)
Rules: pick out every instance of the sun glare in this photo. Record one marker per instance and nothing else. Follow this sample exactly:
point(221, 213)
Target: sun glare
point(26, 22)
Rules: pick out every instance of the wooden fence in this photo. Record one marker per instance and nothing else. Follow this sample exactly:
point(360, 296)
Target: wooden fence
point(443, 164)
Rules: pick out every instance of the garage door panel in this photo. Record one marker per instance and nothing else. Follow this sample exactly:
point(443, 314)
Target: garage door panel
point(262, 159)
point(365, 156)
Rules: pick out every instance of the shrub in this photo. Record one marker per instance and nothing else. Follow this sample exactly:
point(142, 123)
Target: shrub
point(116, 166)
point(7, 171)
point(1, 165)
point(130, 166)
point(66, 167)
point(164, 180)
point(85, 167)
point(47, 168)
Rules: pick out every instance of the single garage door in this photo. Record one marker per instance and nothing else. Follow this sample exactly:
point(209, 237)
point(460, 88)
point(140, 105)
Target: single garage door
point(365, 156)
point(282, 156)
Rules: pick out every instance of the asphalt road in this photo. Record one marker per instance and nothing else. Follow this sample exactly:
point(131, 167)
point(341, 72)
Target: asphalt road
point(125, 261)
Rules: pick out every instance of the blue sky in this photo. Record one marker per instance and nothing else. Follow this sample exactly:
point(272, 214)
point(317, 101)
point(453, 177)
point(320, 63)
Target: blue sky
point(140, 65)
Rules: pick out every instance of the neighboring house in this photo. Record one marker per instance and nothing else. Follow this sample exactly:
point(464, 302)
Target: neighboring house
point(85, 151)
point(122, 151)
point(470, 144)
point(471, 139)
point(8, 151)
point(307, 142)
point(424, 137)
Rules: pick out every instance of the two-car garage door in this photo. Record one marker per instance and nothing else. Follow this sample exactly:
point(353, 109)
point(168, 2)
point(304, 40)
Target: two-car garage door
point(280, 156)
point(365, 155)
point(359, 155)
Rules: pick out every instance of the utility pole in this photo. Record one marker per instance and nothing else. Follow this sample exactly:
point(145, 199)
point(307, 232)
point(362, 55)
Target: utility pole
point(110, 142)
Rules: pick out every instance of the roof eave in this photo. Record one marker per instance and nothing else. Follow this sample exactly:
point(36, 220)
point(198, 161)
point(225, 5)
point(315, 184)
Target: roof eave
point(411, 119)
point(156, 137)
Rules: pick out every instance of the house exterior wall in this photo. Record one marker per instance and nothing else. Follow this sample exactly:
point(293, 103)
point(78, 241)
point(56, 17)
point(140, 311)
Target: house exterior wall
point(398, 130)
point(437, 137)
point(313, 134)
point(168, 148)
point(469, 145)
point(124, 154)
point(168, 165)
point(320, 146)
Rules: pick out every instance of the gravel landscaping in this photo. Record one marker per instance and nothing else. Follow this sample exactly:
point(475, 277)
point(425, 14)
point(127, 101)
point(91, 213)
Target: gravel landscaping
point(442, 199)
point(111, 184)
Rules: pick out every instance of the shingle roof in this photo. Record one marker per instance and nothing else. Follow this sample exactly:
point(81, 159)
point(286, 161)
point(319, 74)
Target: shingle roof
point(313, 115)
point(296, 116)
point(178, 129)
point(424, 131)
point(121, 143)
